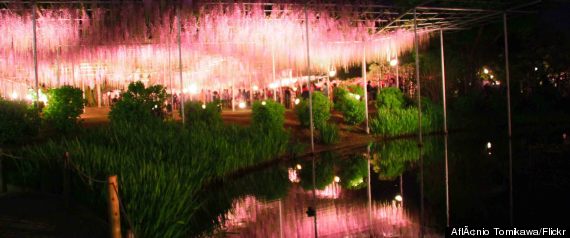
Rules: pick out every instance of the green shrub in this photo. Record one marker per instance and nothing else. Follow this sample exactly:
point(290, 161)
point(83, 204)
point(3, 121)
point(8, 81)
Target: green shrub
point(356, 89)
point(18, 122)
point(353, 111)
point(329, 134)
point(339, 93)
point(390, 98)
point(395, 121)
point(268, 114)
point(321, 110)
point(195, 113)
point(139, 104)
point(65, 105)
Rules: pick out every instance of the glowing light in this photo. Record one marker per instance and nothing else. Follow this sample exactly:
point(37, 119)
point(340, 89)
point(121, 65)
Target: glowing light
point(398, 198)
point(192, 89)
point(356, 96)
point(498, 82)
point(297, 101)
point(332, 73)
point(336, 179)
point(492, 76)
point(14, 95)
point(298, 166)
point(488, 145)
point(393, 62)
point(203, 106)
point(535, 68)
point(241, 105)
point(255, 88)
point(43, 98)
point(263, 103)
point(485, 70)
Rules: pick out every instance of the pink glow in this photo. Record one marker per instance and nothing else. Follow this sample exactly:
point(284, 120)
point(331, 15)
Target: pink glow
point(335, 218)
point(225, 45)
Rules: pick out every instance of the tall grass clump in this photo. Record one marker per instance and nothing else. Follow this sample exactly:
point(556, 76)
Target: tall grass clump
point(351, 106)
point(161, 166)
point(397, 115)
point(65, 106)
point(268, 115)
point(198, 113)
point(390, 98)
point(329, 134)
point(140, 104)
point(18, 122)
point(321, 111)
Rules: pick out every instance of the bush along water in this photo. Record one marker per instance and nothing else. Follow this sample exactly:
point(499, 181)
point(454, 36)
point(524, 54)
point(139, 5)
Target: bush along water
point(321, 111)
point(140, 104)
point(350, 105)
point(18, 122)
point(268, 115)
point(397, 115)
point(65, 105)
point(199, 114)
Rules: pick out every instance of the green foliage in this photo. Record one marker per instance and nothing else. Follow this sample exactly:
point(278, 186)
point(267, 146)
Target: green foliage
point(268, 114)
point(195, 113)
point(65, 105)
point(397, 115)
point(356, 89)
point(329, 134)
point(139, 104)
point(395, 121)
point(390, 98)
point(353, 172)
point(321, 110)
point(18, 122)
point(354, 111)
point(161, 166)
point(339, 93)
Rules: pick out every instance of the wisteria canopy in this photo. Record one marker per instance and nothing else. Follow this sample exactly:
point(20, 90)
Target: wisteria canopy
point(222, 44)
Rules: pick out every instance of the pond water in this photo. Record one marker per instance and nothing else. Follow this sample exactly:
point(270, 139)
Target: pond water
point(461, 179)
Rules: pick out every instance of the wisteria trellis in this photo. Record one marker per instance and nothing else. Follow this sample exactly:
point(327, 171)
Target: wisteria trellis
point(221, 43)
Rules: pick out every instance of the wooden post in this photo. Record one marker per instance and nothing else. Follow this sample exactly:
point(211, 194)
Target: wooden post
point(114, 212)
point(66, 179)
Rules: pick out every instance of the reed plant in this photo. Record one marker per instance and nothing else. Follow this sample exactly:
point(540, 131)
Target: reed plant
point(161, 166)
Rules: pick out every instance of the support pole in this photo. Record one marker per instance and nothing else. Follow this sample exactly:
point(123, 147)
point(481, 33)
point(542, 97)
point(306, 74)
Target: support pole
point(311, 119)
point(369, 189)
point(443, 82)
point(114, 210)
point(35, 52)
point(365, 89)
point(416, 46)
point(447, 208)
point(309, 82)
point(180, 64)
point(508, 74)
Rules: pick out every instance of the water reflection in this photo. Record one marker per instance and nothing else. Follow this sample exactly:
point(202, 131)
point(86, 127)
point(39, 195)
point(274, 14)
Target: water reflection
point(395, 189)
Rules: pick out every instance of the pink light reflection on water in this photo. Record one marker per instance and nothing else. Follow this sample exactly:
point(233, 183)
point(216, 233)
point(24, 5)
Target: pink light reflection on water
point(338, 217)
